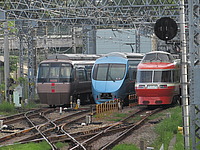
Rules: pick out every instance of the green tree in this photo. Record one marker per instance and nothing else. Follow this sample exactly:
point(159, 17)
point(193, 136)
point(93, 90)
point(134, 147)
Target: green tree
point(13, 63)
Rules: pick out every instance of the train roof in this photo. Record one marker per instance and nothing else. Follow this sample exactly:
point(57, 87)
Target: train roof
point(159, 65)
point(73, 56)
point(77, 62)
point(124, 55)
point(161, 52)
point(158, 56)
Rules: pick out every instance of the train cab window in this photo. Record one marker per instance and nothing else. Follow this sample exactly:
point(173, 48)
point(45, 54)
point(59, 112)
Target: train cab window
point(166, 76)
point(54, 70)
point(100, 72)
point(116, 72)
point(65, 72)
point(164, 57)
point(109, 72)
point(43, 72)
point(149, 57)
point(158, 57)
point(144, 76)
point(162, 76)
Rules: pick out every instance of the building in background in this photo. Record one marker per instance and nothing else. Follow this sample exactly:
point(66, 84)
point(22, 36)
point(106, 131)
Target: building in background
point(120, 40)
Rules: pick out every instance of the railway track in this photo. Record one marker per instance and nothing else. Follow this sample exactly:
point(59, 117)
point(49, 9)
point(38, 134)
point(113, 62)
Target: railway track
point(42, 127)
point(60, 129)
point(120, 129)
point(53, 147)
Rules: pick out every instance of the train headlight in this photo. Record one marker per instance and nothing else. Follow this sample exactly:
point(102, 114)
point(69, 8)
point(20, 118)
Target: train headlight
point(163, 86)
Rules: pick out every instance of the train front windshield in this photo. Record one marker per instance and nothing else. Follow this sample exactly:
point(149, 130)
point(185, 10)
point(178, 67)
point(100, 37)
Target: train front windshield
point(109, 72)
point(54, 72)
point(157, 76)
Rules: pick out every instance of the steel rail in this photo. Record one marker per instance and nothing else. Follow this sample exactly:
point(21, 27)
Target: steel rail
point(46, 139)
point(75, 141)
point(58, 126)
point(128, 131)
point(20, 116)
point(55, 121)
point(108, 128)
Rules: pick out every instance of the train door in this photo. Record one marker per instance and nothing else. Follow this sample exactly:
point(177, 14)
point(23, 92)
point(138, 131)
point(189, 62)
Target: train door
point(82, 84)
point(132, 71)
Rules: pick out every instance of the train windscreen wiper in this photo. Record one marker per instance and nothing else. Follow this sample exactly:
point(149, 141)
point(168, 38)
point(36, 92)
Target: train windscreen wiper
point(111, 77)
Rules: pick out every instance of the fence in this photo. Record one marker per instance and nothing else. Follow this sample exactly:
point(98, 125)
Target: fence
point(109, 106)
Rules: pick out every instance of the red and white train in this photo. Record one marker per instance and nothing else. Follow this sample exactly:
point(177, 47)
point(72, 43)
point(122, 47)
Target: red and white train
point(158, 79)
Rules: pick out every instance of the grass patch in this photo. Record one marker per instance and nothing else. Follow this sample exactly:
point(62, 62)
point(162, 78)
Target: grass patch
point(111, 116)
point(116, 117)
point(137, 118)
point(29, 146)
point(125, 147)
point(167, 129)
point(179, 144)
point(60, 144)
point(7, 108)
point(32, 146)
point(30, 105)
point(120, 115)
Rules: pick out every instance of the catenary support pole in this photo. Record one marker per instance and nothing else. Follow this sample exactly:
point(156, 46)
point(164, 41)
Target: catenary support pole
point(6, 60)
point(184, 82)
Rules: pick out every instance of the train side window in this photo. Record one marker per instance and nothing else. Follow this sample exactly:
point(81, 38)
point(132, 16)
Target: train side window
point(88, 71)
point(133, 69)
point(81, 74)
point(176, 76)
point(132, 74)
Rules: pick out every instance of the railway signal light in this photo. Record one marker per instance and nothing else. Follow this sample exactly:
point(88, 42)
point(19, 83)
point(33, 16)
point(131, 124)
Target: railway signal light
point(165, 28)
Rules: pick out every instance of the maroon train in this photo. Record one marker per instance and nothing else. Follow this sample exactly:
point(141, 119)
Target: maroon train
point(64, 78)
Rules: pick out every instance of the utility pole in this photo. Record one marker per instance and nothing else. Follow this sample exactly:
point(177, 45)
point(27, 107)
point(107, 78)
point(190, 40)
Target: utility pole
point(74, 40)
point(137, 41)
point(6, 60)
point(184, 82)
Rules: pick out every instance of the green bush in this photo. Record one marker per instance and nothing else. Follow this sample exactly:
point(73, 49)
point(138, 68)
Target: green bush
point(7, 107)
point(167, 129)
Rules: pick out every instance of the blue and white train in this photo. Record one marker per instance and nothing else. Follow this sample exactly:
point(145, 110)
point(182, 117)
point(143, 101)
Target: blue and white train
point(113, 77)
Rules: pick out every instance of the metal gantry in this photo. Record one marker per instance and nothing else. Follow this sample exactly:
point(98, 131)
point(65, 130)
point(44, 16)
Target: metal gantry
point(93, 14)
point(194, 55)
point(81, 13)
